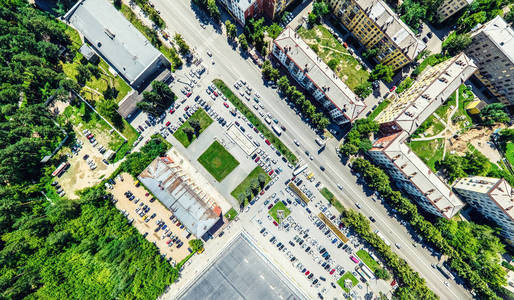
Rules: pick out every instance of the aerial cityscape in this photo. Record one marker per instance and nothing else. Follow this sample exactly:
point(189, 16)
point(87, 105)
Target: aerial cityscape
point(257, 149)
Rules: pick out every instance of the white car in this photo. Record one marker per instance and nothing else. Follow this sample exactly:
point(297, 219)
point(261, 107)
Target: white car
point(209, 53)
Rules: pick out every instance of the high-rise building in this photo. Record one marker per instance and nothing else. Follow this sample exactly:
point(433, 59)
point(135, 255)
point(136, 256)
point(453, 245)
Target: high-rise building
point(427, 93)
point(414, 177)
point(492, 50)
point(273, 8)
point(243, 9)
point(377, 26)
point(450, 7)
point(493, 198)
point(316, 77)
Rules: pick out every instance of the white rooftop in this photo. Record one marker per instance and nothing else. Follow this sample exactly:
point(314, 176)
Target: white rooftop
point(322, 76)
point(501, 34)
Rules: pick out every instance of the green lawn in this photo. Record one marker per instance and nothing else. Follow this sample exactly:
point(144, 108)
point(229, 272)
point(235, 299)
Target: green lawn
point(231, 214)
point(328, 48)
point(509, 152)
point(218, 161)
point(346, 276)
point(279, 206)
point(366, 258)
point(204, 120)
point(255, 120)
point(247, 182)
point(332, 199)
point(379, 109)
point(429, 151)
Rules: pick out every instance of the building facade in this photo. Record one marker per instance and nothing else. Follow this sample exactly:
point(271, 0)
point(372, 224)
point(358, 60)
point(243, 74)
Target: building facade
point(316, 77)
point(450, 7)
point(243, 9)
point(414, 177)
point(273, 8)
point(493, 198)
point(376, 26)
point(492, 50)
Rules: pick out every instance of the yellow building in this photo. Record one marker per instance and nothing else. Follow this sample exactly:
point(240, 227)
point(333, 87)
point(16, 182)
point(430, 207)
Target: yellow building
point(376, 26)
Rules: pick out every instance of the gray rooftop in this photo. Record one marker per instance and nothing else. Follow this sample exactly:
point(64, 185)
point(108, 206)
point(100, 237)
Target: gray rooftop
point(501, 34)
point(241, 272)
point(193, 207)
point(323, 77)
point(115, 38)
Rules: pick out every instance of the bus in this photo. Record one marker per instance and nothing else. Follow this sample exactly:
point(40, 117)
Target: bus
point(445, 271)
point(382, 237)
point(299, 170)
point(277, 129)
point(354, 259)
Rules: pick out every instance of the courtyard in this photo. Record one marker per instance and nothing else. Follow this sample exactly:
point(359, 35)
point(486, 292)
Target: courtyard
point(218, 161)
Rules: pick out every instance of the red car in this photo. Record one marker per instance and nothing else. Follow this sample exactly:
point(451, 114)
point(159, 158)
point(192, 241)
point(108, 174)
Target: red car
point(392, 89)
point(267, 142)
point(270, 206)
point(168, 242)
point(257, 159)
point(262, 192)
point(307, 272)
point(275, 222)
point(332, 272)
point(270, 172)
point(168, 123)
point(186, 108)
point(172, 111)
point(147, 194)
point(226, 105)
point(188, 94)
point(178, 224)
point(215, 93)
point(345, 45)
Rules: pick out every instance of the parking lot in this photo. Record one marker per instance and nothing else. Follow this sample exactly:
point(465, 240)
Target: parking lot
point(154, 221)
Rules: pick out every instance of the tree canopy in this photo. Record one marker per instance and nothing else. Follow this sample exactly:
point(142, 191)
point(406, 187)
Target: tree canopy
point(382, 72)
point(158, 100)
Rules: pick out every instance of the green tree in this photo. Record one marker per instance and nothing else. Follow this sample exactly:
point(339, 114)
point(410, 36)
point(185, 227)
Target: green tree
point(382, 273)
point(319, 10)
point(382, 72)
point(494, 113)
point(213, 9)
point(231, 29)
point(412, 13)
point(183, 47)
point(190, 132)
point(283, 84)
point(364, 89)
point(369, 53)
point(509, 17)
point(195, 124)
point(262, 180)
point(274, 30)
point(332, 64)
point(455, 43)
point(196, 245)
point(109, 109)
point(83, 74)
point(243, 43)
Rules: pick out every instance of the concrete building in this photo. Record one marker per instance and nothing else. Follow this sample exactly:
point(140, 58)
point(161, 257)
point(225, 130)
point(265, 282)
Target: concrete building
point(316, 77)
point(493, 198)
point(414, 177)
point(177, 189)
point(426, 94)
point(117, 41)
point(377, 26)
point(492, 50)
point(273, 8)
point(243, 9)
point(450, 7)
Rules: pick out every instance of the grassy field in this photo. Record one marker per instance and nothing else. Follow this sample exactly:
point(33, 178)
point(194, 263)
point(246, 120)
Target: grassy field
point(379, 109)
point(279, 206)
point(218, 161)
point(509, 152)
point(246, 183)
point(366, 258)
point(204, 120)
point(255, 121)
point(347, 275)
point(231, 214)
point(332, 199)
point(429, 151)
point(328, 48)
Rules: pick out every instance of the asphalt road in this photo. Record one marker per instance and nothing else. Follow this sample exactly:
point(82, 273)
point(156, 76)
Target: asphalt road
point(230, 66)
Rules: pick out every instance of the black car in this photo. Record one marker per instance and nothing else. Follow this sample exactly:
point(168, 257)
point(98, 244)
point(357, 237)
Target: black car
point(425, 39)
point(372, 219)
point(279, 244)
point(429, 34)
point(323, 264)
point(307, 249)
point(315, 281)
point(254, 155)
point(262, 230)
point(322, 168)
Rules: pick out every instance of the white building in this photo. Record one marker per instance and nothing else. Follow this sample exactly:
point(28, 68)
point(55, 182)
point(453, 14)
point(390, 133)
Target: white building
point(243, 9)
point(414, 176)
point(316, 77)
point(493, 198)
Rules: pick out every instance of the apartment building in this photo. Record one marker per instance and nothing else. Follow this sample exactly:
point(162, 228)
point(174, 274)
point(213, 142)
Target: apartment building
point(493, 197)
point(414, 177)
point(273, 8)
point(426, 94)
point(243, 9)
point(450, 7)
point(377, 26)
point(316, 77)
point(492, 50)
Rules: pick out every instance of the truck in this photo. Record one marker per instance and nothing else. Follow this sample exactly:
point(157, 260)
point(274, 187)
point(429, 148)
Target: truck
point(380, 235)
point(321, 143)
point(445, 271)
point(277, 129)
point(299, 170)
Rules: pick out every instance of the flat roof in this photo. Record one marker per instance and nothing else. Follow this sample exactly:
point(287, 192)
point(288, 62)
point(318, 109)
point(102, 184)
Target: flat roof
point(113, 36)
point(427, 93)
point(323, 77)
point(170, 183)
point(243, 4)
point(501, 34)
point(427, 182)
point(241, 272)
point(387, 20)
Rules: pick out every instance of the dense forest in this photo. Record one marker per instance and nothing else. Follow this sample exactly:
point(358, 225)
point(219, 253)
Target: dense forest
point(82, 249)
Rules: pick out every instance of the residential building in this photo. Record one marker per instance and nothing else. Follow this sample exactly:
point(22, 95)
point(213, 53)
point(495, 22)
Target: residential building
point(450, 7)
point(413, 176)
point(316, 77)
point(177, 187)
point(243, 9)
point(492, 50)
point(377, 26)
point(117, 41)
point(273, 8)
point(433, 86)
point(493, 198)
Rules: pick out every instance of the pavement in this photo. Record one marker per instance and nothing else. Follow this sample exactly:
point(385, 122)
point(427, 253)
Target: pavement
point(230, 65)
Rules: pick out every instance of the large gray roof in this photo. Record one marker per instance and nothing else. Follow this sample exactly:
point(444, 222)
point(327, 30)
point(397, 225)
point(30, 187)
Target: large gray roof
point(115, 38)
